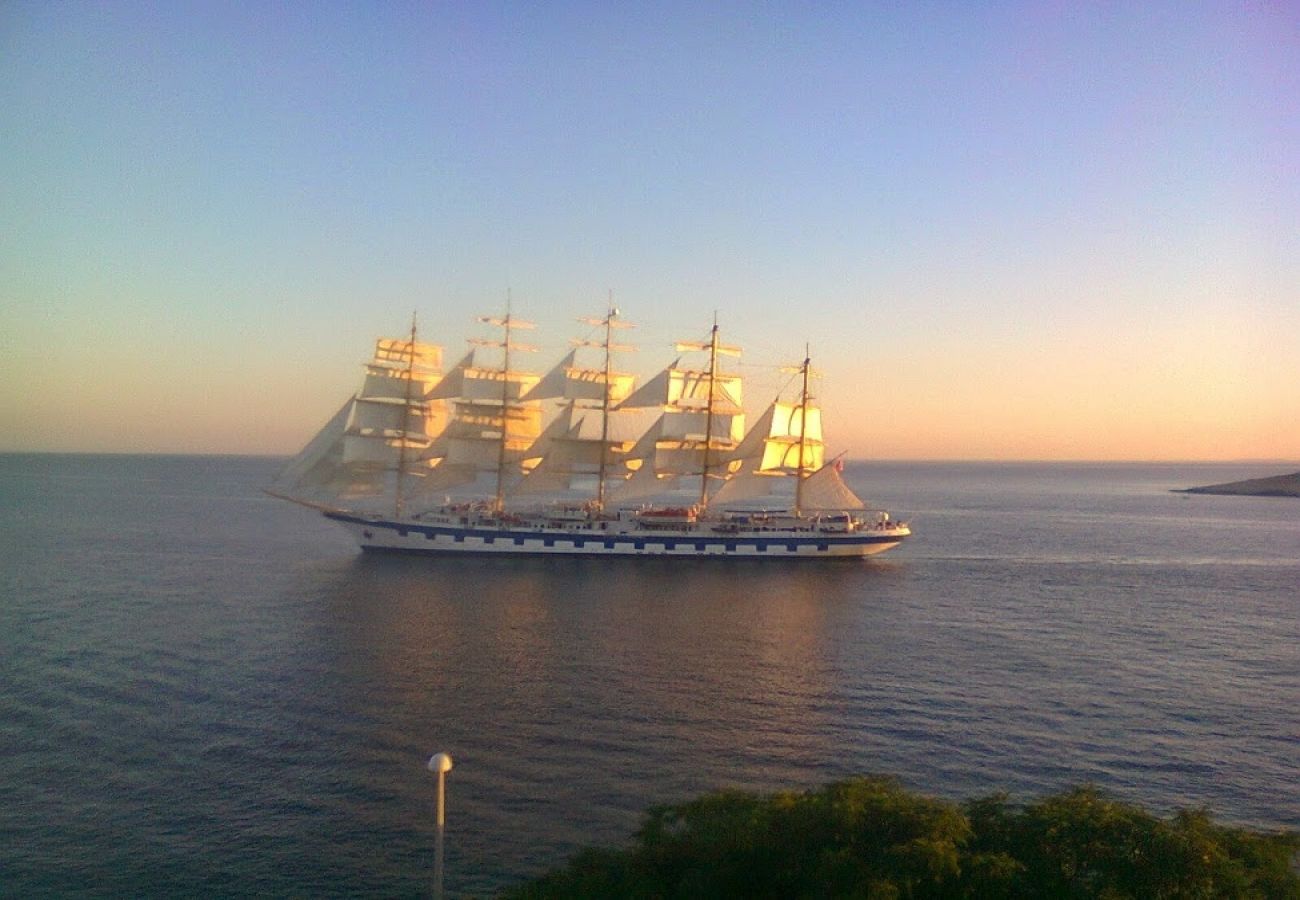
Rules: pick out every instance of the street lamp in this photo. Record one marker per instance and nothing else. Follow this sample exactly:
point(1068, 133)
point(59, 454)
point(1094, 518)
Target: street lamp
point(441, 764)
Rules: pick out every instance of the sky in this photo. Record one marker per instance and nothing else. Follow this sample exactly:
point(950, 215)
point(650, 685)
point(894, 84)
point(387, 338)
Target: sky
point(1006, 230)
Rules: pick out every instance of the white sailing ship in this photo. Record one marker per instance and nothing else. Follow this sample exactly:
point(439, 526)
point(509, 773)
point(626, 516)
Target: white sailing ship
point(489, 458)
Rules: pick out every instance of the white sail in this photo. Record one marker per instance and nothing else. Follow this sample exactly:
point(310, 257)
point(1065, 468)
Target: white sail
point(570, 446)
point(386, 417)
point(389, 384)
point(694, 424)
point(353, 484)
point(569, 381)
point(575, 436)
point(366, 449)
point(316, 463)
point(388, 425)
point(672, 458)
point(674, 443)
point(442, 479)
point(642, 484)
point(558, 427)
point(492, 385)
point(382, 431)
point(590, 384)
point(583, 446)
point(401, 370)
point(826, 490)
point(687, 388)
point(570, 456)
point(552, 384)
point(544, 479)
point(690, 388)
point(481, 447)
point(577, 446)
point(493, 422)
point(400, 353)
point(774, 443)
point(653, 393)
point(701, 418)
point(644, 446)
point(453, 384)
point(486, 421)
point(744, 487)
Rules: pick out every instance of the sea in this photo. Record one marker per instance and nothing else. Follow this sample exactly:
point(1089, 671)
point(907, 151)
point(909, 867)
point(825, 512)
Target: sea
point(208, 692)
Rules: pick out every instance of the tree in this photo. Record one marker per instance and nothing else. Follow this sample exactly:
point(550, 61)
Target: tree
point(870, 838)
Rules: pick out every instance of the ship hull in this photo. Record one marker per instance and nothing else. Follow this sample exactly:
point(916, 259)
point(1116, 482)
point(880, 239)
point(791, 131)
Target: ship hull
point(381, 534)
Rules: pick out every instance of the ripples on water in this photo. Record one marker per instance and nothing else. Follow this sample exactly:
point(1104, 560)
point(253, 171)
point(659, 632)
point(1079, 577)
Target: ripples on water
point(209, 691)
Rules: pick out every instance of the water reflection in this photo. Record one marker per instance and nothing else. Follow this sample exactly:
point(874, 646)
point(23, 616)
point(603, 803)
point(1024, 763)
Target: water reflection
point(574, 693)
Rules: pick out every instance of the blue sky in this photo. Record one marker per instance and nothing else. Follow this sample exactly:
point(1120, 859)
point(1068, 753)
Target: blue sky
point(1007, 230)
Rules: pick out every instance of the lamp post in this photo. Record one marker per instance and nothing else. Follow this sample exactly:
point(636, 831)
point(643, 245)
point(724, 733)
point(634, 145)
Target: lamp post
point(439, 763)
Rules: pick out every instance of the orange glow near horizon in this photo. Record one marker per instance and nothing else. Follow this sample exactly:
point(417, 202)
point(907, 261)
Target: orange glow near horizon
point(1110, 397)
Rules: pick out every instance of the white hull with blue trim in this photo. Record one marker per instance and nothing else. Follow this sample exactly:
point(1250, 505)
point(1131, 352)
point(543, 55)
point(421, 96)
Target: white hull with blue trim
point(811, 539)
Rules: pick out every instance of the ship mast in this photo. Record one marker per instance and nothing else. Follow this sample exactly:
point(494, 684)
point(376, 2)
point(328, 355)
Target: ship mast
point(610, 322)
point(708, 418)
point(509, 323)
point(803, 432)
point(406, 421)
point(610, 314)
point(499, 501)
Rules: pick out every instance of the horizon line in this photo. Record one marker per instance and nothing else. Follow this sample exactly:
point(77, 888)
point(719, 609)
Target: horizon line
point(848, 459)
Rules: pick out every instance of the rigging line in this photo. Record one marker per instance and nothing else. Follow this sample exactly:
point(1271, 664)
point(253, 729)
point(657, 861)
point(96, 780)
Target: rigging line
point(788, 382)
point(753, 365)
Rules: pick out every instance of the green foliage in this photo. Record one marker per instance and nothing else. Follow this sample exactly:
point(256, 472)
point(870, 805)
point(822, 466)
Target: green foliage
point(870, 838)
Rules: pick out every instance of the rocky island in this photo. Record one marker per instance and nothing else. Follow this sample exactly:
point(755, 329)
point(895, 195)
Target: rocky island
point(1276, 486)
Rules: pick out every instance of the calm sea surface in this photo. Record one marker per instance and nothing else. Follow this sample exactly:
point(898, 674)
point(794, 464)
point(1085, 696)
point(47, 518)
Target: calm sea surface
point(209, 691)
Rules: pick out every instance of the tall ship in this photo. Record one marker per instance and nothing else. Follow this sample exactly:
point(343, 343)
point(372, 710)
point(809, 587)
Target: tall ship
point(488, 457)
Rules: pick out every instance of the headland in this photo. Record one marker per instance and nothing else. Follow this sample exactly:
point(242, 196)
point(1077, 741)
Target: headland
point(1275, 486)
